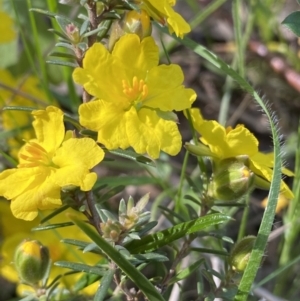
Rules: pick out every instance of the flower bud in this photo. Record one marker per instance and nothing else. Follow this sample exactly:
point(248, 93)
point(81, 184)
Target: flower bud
point(240, 253)
point(31, 260)
point(73, 33)
point(133, 21)
point(232, 179)
point(138, 23)
point(111, 230)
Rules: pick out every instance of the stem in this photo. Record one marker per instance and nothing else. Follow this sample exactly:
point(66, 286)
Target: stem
point(95, 216)
point(178, 202)
point(92, 13)
point(244, 220)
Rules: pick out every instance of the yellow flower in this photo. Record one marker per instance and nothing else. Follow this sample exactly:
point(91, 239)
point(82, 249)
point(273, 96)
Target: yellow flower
point(136, 97)
point(227, 142)
point(48, 163)
point(26, 93)
point(13, 236)
point(162, 12)
point(7, 32)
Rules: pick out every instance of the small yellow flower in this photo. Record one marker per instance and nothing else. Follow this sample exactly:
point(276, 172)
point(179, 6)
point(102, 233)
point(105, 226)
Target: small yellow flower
point(135, 96)
point(227, 142)
point(47, 164)
point(162, 12)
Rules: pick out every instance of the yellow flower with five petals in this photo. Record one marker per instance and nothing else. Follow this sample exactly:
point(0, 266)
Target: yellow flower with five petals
point(162, 12)
point(52, 161)
point(223, 143)
point(135, 96)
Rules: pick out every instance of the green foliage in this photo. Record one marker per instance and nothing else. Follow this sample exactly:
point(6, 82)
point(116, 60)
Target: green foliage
point(292, 22)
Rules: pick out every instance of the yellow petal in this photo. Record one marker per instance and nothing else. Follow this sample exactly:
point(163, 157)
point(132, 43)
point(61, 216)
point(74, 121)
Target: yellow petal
point(148, 133)
point(238, 141)
point(49, 128)
point(74, 151)
point(108, 120)
point(43, 196)
point(74, 159)
point(160, 10)
point(165, 94)
point(143, 55)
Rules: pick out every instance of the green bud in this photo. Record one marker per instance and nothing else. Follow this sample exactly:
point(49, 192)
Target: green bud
point(231, 180)
point(199, 149)
point(31, 260)
point(111, 230)
point(73, 33)
point(133, 21)
point(240, 254)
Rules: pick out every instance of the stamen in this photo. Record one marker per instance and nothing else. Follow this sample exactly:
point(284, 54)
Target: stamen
point(136, 92)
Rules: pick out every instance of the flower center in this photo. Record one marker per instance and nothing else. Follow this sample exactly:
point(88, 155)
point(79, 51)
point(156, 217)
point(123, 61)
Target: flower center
point(36, 156)
point(137, 91)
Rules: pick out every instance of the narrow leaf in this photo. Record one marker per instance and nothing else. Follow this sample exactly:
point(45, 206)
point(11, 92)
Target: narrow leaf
point(80, 267)
point(159, 239)
point(187, 271)
point(54, 213)
point(80, 244)
point(52, 226)
point(128, 154)
point(63, 63)
point(104, 285)
point(44, 12)
point(63, 55)
point(64, 45)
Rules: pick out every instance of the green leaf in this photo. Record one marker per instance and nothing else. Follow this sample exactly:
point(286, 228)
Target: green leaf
point(108, 194)
point(292, 22)
point(104, 285)
point(159, 239)
point(80, 267)
point(63, 55)
point(149, 257)
point(54, 213)
point(44, 12)
point(74, 242)
point(187, 271)
point(52, 226)
point(97, 30)
point(210, 251)
point(58, 33)
point(128, 154)
point(136, 276)
point(125, 181)
point(64, 45)
point(63, 63)
point(87, 279)
point(18, 108)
